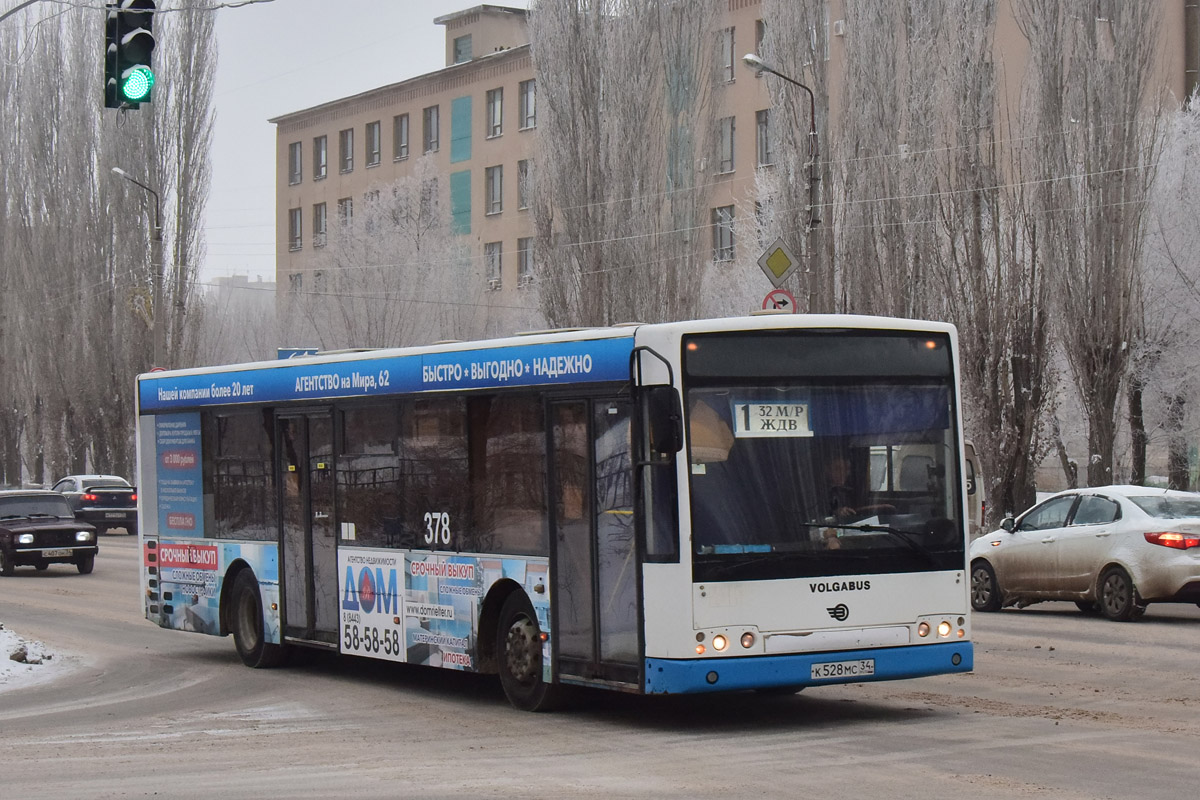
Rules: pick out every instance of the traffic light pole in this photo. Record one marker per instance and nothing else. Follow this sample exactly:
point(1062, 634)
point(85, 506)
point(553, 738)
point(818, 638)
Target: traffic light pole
point(158, 321)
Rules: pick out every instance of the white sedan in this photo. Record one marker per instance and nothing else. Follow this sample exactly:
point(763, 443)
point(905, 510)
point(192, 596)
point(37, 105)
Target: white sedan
point(1111, 549)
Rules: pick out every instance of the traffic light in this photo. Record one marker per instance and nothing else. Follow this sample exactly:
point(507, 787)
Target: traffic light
point(129, 43)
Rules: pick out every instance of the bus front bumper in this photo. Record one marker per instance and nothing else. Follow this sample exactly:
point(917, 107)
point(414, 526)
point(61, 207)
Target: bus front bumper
point(677, 676)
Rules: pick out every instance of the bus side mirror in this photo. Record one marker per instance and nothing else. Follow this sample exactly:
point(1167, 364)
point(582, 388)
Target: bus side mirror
point(664, 420)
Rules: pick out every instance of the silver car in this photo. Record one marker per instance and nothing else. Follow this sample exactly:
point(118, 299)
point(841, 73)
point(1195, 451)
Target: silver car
point(1111, 549)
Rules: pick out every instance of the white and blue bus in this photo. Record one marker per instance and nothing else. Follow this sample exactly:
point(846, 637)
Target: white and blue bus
point(765, 503)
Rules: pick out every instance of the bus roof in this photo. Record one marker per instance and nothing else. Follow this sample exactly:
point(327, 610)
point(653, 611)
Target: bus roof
point(559, 357)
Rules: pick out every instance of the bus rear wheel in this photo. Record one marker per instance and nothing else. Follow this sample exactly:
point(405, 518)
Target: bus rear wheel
point(519, 653)
point(246, 621)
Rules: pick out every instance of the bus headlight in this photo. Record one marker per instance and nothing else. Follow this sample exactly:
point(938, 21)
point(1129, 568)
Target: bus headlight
point(747, 640)
point(923, 630)
point(943, 629)
point(719, 643)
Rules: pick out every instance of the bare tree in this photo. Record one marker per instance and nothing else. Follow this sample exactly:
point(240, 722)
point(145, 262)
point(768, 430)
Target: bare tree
point(76, 244)
point(624, 120)
point(1165, 365)
point(1098, 124)
point(392, 272)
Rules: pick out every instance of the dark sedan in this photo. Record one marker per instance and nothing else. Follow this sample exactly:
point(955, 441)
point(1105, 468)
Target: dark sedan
point(106, 501)
point(38, 528)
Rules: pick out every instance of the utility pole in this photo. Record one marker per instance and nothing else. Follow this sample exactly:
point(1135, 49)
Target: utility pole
point(158, 316)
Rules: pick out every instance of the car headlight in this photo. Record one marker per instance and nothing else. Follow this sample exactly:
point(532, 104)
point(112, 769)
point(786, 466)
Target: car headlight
point(83, 536)
point(25, 538)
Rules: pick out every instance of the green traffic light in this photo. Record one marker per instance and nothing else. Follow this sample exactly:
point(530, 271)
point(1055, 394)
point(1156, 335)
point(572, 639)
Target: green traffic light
point(137, 84)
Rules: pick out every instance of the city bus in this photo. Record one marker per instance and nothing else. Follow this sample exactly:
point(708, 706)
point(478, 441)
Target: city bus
point(699, 506)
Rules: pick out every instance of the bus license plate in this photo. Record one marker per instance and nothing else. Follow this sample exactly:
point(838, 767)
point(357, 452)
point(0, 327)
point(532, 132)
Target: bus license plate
point(56, 553)
point(863, 667)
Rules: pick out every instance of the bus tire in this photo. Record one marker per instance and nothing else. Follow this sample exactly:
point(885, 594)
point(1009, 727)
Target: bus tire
point(246, 622)
point(519, 657)
point(985, 591)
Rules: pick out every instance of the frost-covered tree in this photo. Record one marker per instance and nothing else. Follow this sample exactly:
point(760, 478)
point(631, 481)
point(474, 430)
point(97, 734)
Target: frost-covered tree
point(77, 269)
point(1097, 116)
point(392, 272)
point(624, 121)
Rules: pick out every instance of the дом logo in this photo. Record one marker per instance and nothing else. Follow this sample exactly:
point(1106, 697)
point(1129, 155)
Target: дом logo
point(371, 591)
point(179, 459)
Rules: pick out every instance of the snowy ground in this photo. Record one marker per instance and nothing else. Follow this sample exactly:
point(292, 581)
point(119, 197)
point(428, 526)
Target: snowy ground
point(36, 665)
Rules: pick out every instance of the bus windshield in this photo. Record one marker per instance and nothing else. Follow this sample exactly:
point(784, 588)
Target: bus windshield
point(822, 454)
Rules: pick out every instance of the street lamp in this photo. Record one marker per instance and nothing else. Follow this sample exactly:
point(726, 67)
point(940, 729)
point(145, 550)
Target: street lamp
point(156, 259)
point(814, 175)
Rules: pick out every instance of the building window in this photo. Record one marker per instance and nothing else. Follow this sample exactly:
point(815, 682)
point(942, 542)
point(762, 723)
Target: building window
point(295, 170)
point(523, 184)
point(491, 255)
point(400, 136)
point(345, 210)
point(722, 225)
point(493, 202)
point(760, 33)
point(524, 261)
point(346, 146)
point(320, 157)
point(319, 225)
point(430, 132)
point(295, 282)
point(295, 229)
point(728, 57)
point(528, 104)
point(462, 49)
point(495, 113)
point(725, 144)
point(374, 145)
point(763, 138)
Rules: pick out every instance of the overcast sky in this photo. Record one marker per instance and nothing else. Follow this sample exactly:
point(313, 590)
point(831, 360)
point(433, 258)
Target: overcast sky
point(284, 56)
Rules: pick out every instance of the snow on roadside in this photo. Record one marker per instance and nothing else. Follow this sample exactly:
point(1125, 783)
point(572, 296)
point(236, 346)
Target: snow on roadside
point(24, 662)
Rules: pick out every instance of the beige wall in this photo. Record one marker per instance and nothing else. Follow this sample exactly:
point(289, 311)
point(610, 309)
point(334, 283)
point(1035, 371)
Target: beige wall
point(491, 68)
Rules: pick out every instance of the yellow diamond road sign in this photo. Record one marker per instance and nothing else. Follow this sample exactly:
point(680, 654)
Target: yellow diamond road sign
point(778, 263)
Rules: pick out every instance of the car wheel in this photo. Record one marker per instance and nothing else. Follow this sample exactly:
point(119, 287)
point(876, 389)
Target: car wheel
point(519, 652)
point(85, 564)
point(6, 565)
point(1118, 596)
point(1087, 607)
point(41, 566)
point(246, 620)
point(985, 592)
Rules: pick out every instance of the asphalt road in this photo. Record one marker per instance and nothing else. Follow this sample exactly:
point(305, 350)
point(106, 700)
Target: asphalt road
point(1060, 705)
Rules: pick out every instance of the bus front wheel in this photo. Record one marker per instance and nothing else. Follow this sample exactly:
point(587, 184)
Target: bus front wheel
point(519, 653)
point(246, 620)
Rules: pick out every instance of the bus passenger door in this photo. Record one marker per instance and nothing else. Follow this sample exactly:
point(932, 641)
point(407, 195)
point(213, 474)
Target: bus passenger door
point(308, 544)
point(595, 596)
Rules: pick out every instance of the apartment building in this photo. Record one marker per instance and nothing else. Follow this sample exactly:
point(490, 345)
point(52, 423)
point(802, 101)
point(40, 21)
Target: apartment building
point(477, 117)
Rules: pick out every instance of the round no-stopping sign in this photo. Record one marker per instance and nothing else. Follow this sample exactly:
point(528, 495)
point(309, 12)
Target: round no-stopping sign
point(779, 300)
